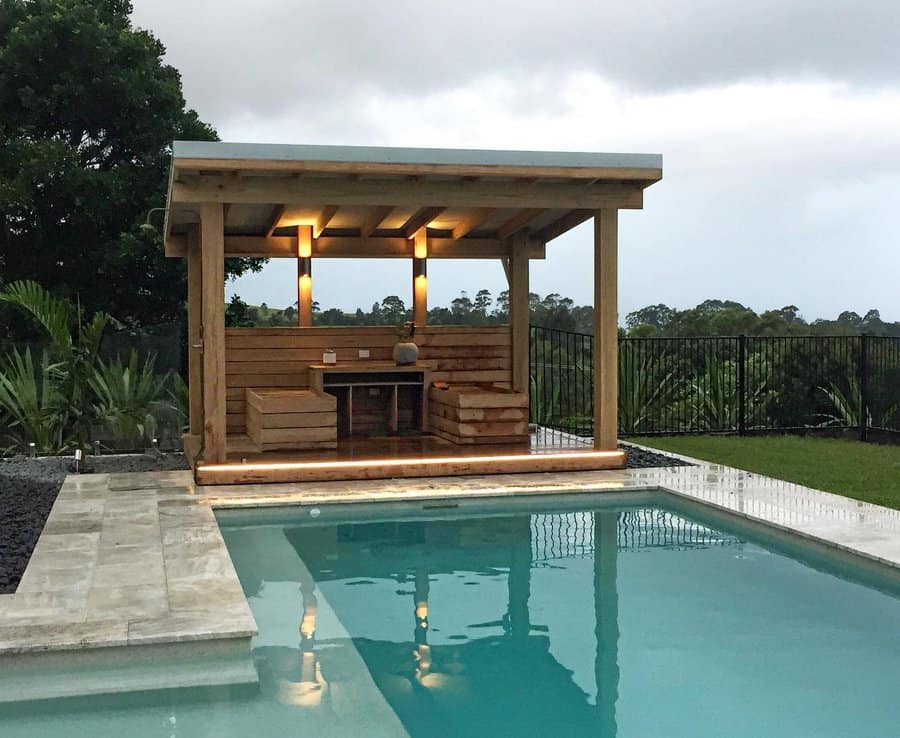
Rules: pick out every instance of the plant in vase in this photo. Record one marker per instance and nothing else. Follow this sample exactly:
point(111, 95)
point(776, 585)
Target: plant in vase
point(405, 350)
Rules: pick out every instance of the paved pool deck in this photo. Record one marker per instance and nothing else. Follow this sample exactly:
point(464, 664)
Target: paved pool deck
point(132, 568)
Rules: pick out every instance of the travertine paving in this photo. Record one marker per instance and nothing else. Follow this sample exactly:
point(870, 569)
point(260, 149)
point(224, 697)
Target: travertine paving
point(123, 561)
point(130, 560)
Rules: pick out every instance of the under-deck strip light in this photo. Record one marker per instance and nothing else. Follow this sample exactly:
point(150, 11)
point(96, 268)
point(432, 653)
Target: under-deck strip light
point(432, 461)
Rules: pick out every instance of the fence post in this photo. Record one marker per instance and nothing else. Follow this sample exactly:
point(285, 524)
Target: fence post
point(863, 387)
point(742, 384)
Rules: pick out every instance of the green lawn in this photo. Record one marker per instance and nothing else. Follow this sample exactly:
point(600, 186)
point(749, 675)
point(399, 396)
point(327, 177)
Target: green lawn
point(864, 471)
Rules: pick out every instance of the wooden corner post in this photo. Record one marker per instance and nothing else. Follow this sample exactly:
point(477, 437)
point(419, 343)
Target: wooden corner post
point(193, 440)
point(519, 311)
point(212, 260)
point(304, 275)
point(420, 277)
point(606, 335)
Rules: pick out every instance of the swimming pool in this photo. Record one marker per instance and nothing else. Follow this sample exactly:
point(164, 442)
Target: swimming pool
point(628, 615)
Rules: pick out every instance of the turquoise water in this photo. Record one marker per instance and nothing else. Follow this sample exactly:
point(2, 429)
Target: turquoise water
point(601, 619)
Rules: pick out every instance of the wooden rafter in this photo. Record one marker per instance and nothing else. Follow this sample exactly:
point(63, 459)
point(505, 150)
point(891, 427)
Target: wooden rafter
point(401, 193)
point(274, 219)
point(471, 221)
point(375, 219)
point(519, 221)
point(323, 219)
point(420, 219)
point(561, 225)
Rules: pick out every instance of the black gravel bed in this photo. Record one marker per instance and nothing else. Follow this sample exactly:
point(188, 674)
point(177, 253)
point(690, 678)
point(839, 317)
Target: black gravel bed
point(638, 458)
point(28, 489)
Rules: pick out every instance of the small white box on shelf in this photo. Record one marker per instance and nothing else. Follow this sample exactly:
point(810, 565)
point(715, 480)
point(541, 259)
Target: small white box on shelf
point(329, 357)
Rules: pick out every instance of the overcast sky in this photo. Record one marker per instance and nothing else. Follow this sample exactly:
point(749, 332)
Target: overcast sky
point(778, 122)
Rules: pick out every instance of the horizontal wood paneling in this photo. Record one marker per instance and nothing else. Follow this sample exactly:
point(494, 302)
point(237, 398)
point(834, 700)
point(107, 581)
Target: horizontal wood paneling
point(278, 357)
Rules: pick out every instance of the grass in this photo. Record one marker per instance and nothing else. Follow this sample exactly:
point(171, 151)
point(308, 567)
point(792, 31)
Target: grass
point(864, 471)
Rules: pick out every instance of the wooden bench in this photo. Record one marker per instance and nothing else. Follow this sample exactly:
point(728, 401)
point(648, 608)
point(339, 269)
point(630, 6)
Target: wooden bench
point(478, 414)
point(299, 419)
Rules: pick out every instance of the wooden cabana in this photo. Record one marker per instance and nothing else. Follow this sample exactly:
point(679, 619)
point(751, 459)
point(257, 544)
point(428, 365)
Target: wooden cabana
point(264, 405)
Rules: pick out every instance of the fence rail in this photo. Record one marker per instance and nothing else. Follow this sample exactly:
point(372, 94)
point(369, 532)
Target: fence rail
point(729, 384)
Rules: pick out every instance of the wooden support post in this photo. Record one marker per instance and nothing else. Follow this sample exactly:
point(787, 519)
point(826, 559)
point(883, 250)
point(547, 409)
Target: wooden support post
point(519, 312)
point(420, 277)
point(212, 259)
point(304, 275)
point(606, 336)
point(195, 335)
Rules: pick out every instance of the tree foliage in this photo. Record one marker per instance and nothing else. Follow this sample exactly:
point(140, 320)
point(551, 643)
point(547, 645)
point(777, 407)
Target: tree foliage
point(729, 318)
point(89, 114)
point(709, 318)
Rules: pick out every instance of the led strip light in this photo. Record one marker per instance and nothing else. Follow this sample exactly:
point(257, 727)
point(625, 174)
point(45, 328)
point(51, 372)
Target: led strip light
point(432, 461)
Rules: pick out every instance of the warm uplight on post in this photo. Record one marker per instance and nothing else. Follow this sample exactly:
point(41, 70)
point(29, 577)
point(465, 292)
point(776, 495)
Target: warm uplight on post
point(304, 276)
point(420, 244)
point(420, 279)
point(304, 241)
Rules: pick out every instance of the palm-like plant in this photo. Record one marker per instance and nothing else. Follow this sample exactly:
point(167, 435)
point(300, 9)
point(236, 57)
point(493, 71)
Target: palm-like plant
point(179, 398)
point(74, 349)
point(128, 397)
point(647, 388)
point(31, 404)
point(544, 404)
point(845, 404)
point(716, 401)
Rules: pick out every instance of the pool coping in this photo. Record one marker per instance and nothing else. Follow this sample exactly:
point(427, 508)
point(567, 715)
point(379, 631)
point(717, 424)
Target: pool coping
point(128, 562)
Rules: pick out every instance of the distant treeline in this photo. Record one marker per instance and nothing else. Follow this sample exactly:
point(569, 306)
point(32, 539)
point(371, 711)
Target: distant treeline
point(709, 318)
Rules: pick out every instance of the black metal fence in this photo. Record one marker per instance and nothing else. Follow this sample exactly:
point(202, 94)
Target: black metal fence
point(737, 384)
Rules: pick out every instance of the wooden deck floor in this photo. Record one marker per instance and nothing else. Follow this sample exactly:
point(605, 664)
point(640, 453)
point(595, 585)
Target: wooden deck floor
point(404, 457)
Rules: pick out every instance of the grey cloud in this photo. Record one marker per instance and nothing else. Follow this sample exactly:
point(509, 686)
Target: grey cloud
point(280, 54)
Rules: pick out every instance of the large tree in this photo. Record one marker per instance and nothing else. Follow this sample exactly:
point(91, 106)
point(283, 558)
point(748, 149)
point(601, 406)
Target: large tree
point(89, 111)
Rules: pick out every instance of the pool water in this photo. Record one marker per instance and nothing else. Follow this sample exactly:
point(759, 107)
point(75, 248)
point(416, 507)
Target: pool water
point(609, 616)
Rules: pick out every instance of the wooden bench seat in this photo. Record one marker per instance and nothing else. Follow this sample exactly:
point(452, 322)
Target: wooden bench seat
point(478, 414)
point(297, 419)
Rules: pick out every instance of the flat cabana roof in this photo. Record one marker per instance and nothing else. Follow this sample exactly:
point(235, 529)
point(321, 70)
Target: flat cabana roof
point(367, 201)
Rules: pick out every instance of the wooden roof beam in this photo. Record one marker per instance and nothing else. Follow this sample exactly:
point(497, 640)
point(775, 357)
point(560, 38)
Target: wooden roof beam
point(566, 223)
point(323, 219)
point(420, 219)
point(530, 171)
point(400, 193)
point(375, 219)
point(274, 219)
point(340, 247)
point(471, 221)
point(519, 221)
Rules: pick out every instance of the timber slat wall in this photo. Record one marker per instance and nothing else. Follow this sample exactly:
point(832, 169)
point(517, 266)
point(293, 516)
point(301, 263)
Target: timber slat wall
point(278, 357)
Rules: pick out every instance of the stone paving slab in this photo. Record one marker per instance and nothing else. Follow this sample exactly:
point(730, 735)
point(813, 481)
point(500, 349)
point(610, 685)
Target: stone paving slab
point(110, 570)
